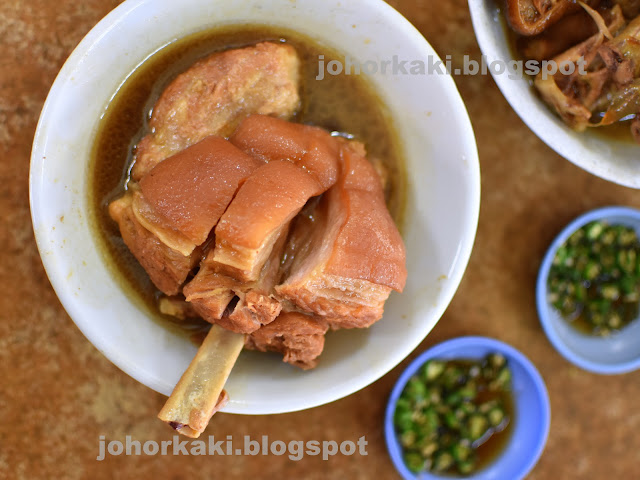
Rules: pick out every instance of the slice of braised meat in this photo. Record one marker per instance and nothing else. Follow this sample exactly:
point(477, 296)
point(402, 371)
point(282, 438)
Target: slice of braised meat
point(569, 31)
point(167, 268)
point(262, 209)
point(303, 162)
point(346, 268)
point(610, 89)
point(190, 191)
point(531, 17)
point(312, 148)
point(211, 292)
point(215, 94)
point(166, 219)
point(298, 337)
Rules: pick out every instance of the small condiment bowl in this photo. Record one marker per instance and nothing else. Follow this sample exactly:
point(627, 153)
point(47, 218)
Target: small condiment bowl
point(531, 410)
point(617, 353)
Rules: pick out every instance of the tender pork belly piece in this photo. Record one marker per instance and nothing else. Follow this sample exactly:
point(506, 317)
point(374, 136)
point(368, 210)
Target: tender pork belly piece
point(211, 292)
point(255, 308)
point(257, 304)
point(189, 192)
point(165, 220)
point(311, 148)
point(299, 337)
point(369, 246)
point(260, 212)
point(167, 268)
point(355, 256)
point(157, 225)
point(215, 94)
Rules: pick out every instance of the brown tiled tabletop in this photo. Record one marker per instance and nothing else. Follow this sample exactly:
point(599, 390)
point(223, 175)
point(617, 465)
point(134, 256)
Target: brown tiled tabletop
point(58, 394)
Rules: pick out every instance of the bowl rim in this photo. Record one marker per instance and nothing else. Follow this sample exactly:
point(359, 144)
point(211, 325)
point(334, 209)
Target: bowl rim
point(545, 124)
point(542, 397)
point(110, 349)
point(541, 292)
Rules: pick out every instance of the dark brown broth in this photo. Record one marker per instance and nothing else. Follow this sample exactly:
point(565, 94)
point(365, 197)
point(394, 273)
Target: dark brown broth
point(339, 103)
point(491, 449)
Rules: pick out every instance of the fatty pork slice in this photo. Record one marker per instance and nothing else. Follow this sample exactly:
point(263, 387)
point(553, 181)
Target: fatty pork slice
point(257, 216)
point(298, 337)
point(211, 292)
point(215, 94)
point(167, 268)
point(189, 192)
point(311, 148)
point(165, 220)
point(346, 268)
point(257, 305)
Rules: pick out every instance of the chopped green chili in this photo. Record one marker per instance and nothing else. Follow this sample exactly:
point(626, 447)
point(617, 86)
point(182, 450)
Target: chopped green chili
point(594, 280)
point(450, 409)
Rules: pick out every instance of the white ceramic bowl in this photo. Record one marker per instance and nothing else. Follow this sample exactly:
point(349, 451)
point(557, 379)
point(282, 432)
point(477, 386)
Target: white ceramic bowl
point(613, 160)
point(443, 197)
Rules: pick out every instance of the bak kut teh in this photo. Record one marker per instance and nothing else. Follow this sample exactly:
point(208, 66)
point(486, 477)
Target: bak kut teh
point(253, 208)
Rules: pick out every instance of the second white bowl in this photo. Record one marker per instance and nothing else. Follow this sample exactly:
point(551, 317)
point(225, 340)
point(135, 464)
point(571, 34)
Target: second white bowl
point(613, 160)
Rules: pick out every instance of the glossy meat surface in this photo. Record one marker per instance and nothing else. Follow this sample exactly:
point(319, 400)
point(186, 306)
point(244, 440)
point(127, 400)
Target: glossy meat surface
point(261, 210)
point(346, 268)
point(215, 94)
point(167, 268)
point(311, 148)
point(191, 190)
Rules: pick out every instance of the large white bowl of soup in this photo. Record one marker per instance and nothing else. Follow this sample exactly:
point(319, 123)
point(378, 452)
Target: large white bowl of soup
point(416, 123)
point(610, 152)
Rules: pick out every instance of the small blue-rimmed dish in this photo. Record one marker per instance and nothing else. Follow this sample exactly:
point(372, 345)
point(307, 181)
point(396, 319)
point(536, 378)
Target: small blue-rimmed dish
point(617, 353)
point(532, 412)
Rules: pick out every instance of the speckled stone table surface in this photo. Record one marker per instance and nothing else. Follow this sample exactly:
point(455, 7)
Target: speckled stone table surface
point(58, 394)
